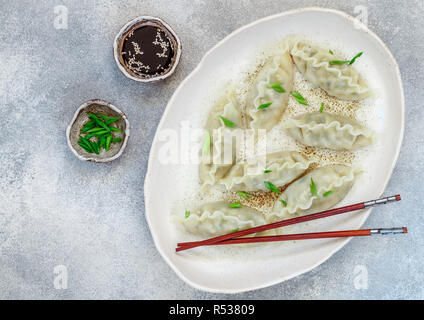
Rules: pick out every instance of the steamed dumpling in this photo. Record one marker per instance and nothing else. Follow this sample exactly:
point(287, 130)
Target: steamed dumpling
point(217, 218)
point(340, 81)
point(326, 130)
point(332, 184)
point(279, 168)
point(220, 153)
point(277, 70)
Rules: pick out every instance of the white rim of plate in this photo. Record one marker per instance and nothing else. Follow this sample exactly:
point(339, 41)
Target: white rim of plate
point(366, 214)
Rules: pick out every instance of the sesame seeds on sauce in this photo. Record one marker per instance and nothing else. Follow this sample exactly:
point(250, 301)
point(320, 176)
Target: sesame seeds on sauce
point(147, 51)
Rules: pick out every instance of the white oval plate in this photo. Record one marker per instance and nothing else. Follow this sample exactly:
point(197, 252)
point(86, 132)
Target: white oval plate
point(164, 184)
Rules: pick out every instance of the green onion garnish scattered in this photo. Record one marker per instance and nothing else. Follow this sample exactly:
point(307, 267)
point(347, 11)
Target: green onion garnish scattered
point(227, 122)
point(322, 107)
point(356, 57)
point(267, 171)
point(235, 205)
point(299, 98)
point(244, 194)
point(235, 230)
point(283, 202)
point(313, 188)
point(271, 187)
point(206, 143)
point(264, 106)
point(328, 193)
point(277, 87)
point(339, 62)
point(331, 51)
point(187, 214)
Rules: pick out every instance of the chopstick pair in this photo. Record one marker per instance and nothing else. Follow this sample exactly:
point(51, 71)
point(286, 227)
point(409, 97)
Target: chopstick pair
point(233, 238)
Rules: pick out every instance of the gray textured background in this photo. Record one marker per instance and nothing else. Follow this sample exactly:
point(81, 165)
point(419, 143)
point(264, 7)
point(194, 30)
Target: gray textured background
point(56, 209)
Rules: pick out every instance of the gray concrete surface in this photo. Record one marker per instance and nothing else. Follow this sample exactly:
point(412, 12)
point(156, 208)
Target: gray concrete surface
point(57, 210)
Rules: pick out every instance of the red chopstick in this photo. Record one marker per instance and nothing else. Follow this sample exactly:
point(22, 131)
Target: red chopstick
point(316, 235)
point(279, 224)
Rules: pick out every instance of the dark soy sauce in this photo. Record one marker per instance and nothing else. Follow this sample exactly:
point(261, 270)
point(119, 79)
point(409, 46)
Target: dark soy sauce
point(147, 51)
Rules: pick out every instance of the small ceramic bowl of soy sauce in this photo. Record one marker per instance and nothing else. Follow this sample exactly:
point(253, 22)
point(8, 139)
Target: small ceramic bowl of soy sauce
point(146, 49)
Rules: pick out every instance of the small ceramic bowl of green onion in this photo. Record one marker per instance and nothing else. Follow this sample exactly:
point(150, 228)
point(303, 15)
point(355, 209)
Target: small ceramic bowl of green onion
point(98, 132)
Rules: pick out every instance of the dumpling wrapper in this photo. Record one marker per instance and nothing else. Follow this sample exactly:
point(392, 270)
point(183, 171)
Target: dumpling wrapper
point(326, 130)
point(217, 218)
point(221, 153)
point(299, 199)
point(278, 69)
point(249, 175)
point(340, 81)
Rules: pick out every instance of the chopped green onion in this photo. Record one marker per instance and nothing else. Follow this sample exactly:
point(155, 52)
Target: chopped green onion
point(322, 107)
point(267, 171)
point(88, 136)
point(271, 187)
point(338, 62)
point(108, 142)
point(99, 142)
point(102, 141)
point(235, 205)
point(328, 193)
point(98, 133)
point(89, 125)
point(277, 87)
point(95, 147)
point(115, 129)
point(313, 188)
point(356, 57)
point(299, 98)
point(85, 147)
point(98, 121)
point(99, 129)
point(103, 116)
point(86, 141)
point(283, 202)
point(187, 214)
point(227, 122)
point(206, 143)
point(331, 51)
point(245, 194)
point(112, 120)
point(95, 130)
point(235, 230)
point(264, 106)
